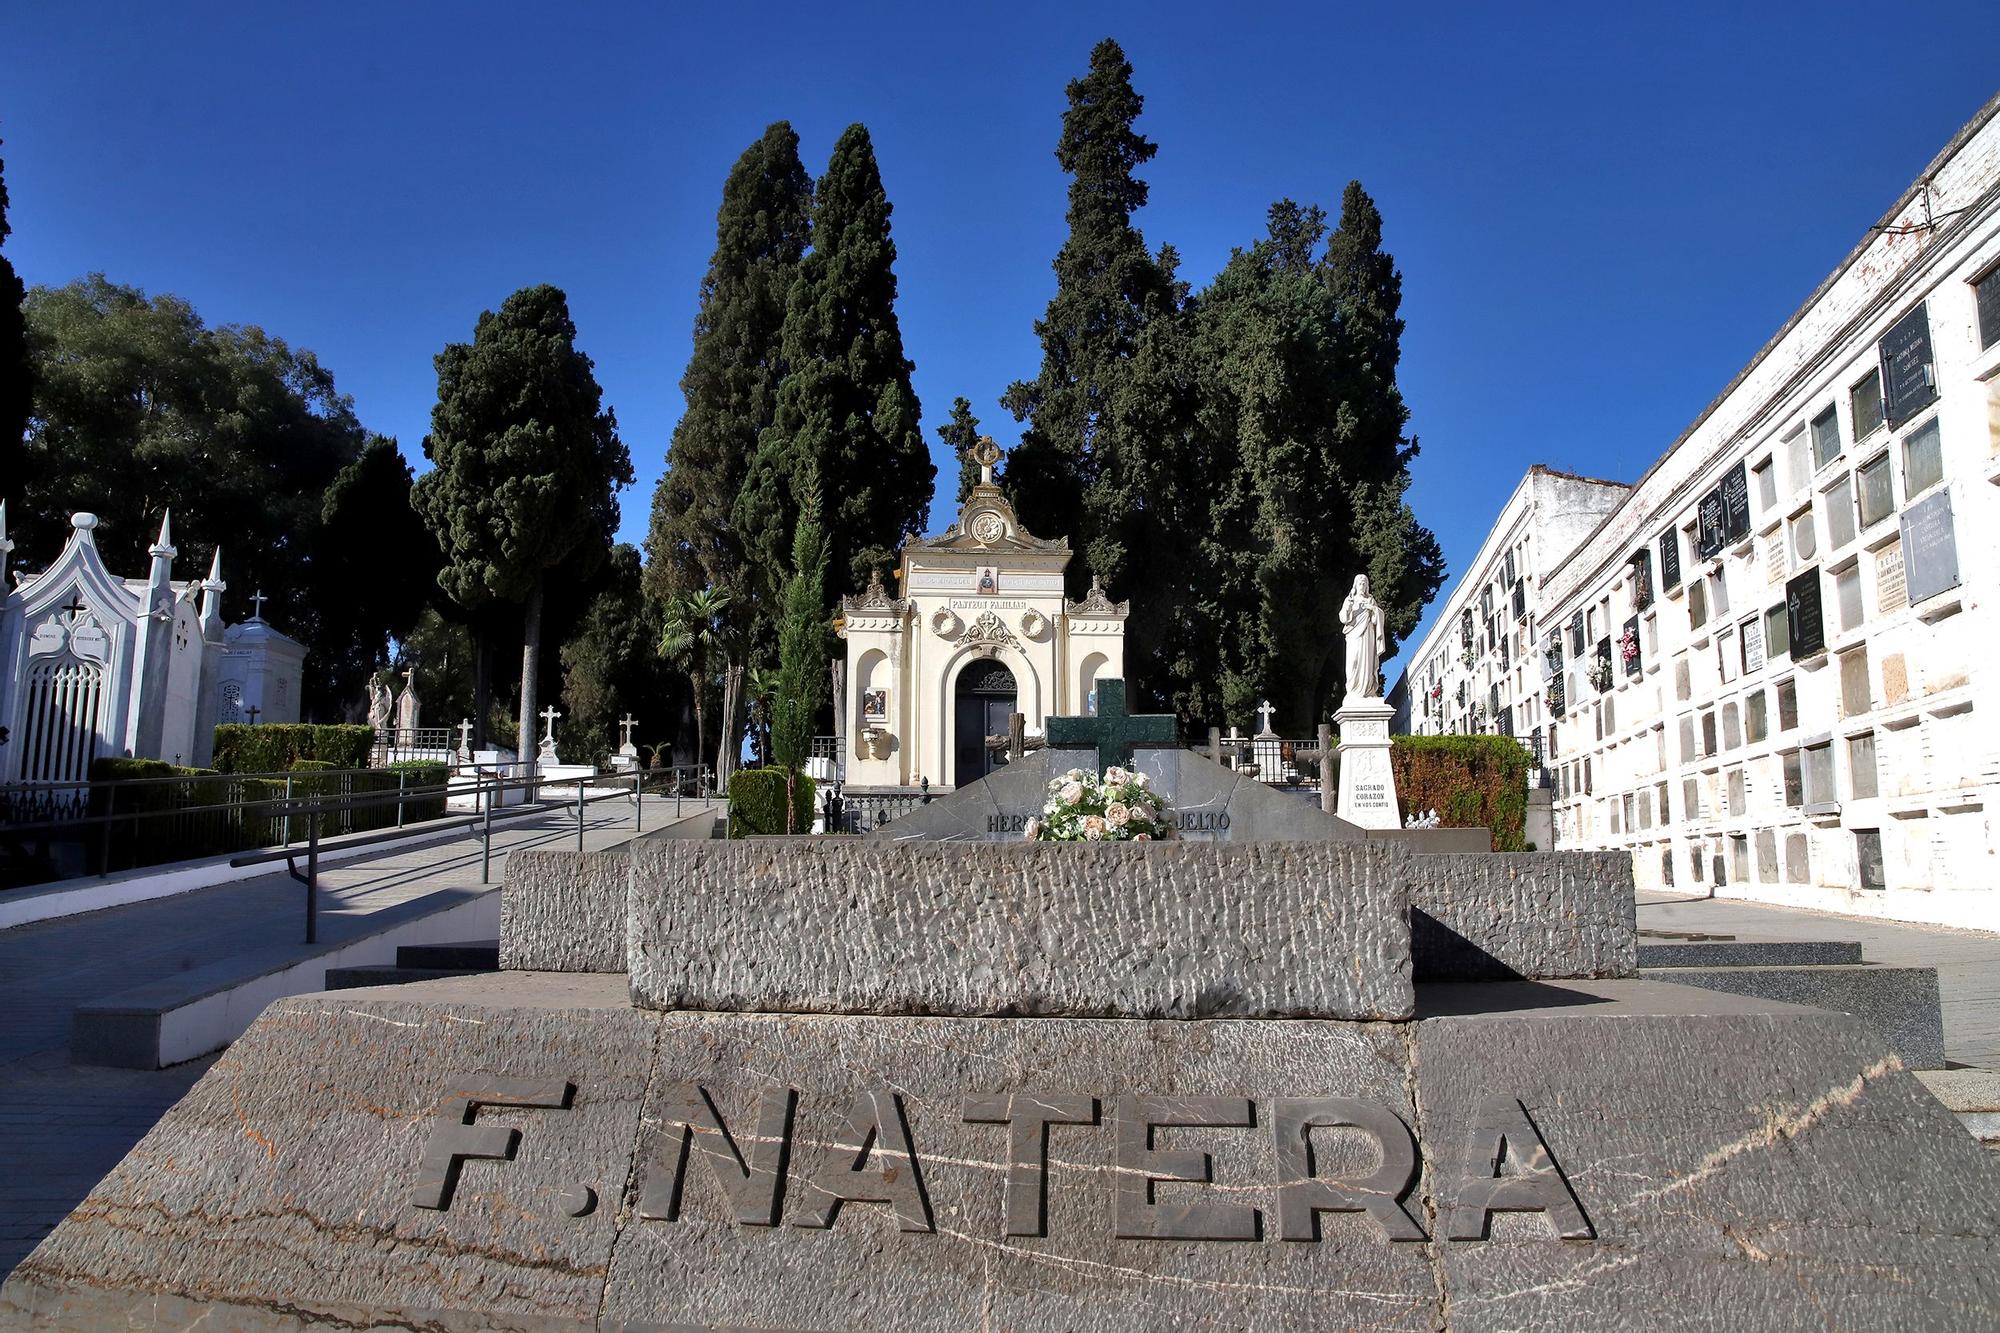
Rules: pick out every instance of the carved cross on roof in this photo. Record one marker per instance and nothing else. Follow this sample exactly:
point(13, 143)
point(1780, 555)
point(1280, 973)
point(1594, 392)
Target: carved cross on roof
point(986, 454)
point(1113, 731)
point(257, 600)
point(76, 606)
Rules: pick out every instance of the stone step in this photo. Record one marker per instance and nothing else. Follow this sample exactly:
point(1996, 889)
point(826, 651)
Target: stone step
point(353, 978)
point(1747, 953)
point(1901, 1003)
point(1972, 1095)
point(471, 956)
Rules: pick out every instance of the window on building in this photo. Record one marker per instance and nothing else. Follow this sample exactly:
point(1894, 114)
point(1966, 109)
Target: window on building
point(1805, 544)
point(1839, 505)
point(1986, 295)
point(1847, 595)
point(1864, 401)
point(1825, 438)
point(1868, 858)
point(1777, 633)
point(1817, 762)
point(1788, 705)
point(1798, 464)
point(1754, 727)
point(1861, 765)
point(1878, 499)
point(1923, 459)
point(1795, 791)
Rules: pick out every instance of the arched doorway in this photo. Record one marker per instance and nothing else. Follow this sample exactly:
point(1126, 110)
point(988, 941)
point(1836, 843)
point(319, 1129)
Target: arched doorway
point(982, 703)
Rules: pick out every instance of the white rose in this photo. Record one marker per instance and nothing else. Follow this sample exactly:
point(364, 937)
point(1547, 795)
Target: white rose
point(1075, 775)
point(1141, 781)
point(1032, 829)
point(1072, 793)
point(1142, 811)
point(1093, 828)
point(1115, 775)
point(1142, 837)
point(1116, 814)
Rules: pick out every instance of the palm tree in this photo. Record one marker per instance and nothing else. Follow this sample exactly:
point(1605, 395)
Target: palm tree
point(761, 684)
point(692, 640)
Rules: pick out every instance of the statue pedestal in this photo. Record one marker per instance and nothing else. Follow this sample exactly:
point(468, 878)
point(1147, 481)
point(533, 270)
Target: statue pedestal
point(1367, 783)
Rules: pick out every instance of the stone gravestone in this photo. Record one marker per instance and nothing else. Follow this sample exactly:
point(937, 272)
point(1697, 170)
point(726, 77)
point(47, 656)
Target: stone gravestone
point(1210, 802)
point(849, 1084)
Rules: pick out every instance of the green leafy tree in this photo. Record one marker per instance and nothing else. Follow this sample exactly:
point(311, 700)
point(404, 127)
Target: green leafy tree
point(16, 392)
point(845, 407)
point(696, 640)
point(1079, 466)
point(610, 663)
point(527, 464)
point(802, 675)
point(731, 387)
point(377, 566)
point(760, 689)
point(140, 408)
point(959, 435)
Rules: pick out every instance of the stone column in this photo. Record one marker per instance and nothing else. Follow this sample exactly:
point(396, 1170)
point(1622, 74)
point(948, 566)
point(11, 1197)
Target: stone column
point(1367, 782)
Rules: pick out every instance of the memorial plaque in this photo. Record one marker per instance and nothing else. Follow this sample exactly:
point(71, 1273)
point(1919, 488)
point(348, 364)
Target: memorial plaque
point(1988, 297)
point(1930, 547)
point(1908, 380)
point(1712, 513)
point(1753, 644)
point(1576, 635)
point(1891, 593)
point(1805, 623)
point(1670, 559)
point(1735, 504)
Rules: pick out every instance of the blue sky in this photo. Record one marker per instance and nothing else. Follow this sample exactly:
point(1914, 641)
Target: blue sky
point(1600, 211)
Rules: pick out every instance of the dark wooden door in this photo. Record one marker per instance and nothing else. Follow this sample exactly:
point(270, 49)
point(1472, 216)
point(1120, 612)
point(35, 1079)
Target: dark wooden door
point(984, 703)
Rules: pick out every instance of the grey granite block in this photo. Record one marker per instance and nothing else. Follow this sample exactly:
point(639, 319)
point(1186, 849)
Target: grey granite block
point(282, 1189)
point(562, 910)
point(1116, 929)
point(1737, 1170)
point(1901, 1003)
point(1534, 915)
point(1747, 953)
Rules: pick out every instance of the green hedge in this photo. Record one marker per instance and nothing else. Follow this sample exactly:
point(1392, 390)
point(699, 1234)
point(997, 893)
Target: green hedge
point(1471, 781)
point(277, 747)
point(757, 802)
point(154, 834)
point(422, 773)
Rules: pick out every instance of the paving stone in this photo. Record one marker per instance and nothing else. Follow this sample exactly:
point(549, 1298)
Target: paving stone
point(1114, 929)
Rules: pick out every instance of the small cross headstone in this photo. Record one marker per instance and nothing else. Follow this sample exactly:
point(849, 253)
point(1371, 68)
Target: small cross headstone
point(251, 712)
point(1113, 731)
point(549, 716)
point(257, 600)
point(465, 741)
point(627, 723)
point(1265, 711)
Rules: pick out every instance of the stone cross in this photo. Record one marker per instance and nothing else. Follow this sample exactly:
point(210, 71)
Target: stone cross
point(465, 740)
point(628, 722)
point(549, 716)
point(1264, 711)
point(1113, 731)
point(251, 712)
point(257, 600)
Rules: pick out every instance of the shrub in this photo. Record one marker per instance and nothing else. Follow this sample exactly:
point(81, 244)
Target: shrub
point(757, 802)
point(277, 747)
point(1471, 781)
point(420, 773)
point(167, 822)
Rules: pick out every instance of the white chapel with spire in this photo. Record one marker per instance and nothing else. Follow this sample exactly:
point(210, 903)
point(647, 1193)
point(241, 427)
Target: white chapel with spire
point(93, 665)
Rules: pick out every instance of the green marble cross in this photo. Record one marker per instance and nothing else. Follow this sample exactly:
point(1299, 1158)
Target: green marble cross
point(1113, 731)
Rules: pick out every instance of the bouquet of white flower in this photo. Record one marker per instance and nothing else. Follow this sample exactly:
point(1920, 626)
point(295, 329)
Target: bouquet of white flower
point(1121, 806)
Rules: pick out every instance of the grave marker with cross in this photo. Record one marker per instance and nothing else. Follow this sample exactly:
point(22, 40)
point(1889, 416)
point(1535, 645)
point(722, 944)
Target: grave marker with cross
point(251, 712)
point(1114, 732)
point(257, 600)
point(627, 722)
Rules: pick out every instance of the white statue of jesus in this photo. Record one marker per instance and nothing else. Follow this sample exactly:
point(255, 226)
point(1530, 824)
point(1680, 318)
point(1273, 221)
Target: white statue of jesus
point(1361, 620)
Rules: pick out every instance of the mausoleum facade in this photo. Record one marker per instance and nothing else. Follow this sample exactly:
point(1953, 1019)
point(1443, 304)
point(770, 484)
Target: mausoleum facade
point(93, 665)
point(978, 629)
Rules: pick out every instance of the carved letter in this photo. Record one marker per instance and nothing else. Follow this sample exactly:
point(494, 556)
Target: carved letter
point(1502, 1130)
point(1028, 1116)
point(1303, 1195)
point(1141, 1166)
point(876, 1132)
point(455, 1137)
point(753, 1182)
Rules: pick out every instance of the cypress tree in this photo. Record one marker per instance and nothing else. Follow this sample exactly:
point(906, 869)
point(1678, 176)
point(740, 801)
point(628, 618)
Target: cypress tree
point(1076, 470)
point(802, 676)
point(732, 376)
point(846, 408)
point(959, 435)
point(527, 466)
point(16, 393)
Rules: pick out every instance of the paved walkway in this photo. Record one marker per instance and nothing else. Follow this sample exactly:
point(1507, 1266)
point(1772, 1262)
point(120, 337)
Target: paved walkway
point(62, 1127)
point(1967, 961)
